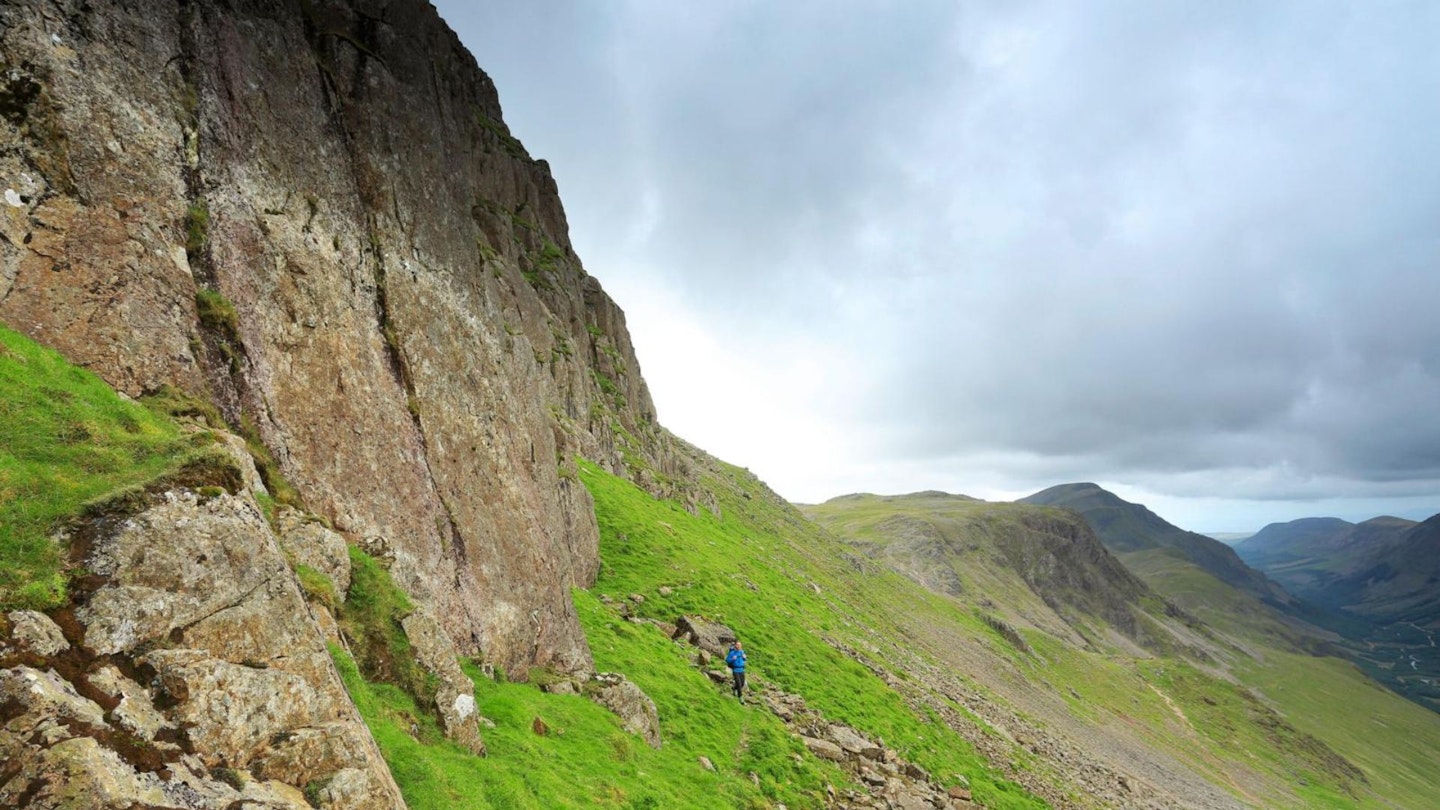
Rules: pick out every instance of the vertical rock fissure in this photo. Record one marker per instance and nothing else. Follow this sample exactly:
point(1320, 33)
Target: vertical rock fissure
point(197, 214)
point(394, 351)
point(221, 351)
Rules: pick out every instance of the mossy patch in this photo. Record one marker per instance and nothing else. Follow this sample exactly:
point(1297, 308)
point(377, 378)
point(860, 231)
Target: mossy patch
point(370, 618)
point(67, 440)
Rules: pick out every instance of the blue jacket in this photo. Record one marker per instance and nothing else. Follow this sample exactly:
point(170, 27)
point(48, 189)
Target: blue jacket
point(735, 659)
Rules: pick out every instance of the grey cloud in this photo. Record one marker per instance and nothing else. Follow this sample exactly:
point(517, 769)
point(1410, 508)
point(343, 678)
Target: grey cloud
point(1184, 245)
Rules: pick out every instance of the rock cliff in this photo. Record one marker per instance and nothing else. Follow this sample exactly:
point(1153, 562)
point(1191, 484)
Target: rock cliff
point(312, 214)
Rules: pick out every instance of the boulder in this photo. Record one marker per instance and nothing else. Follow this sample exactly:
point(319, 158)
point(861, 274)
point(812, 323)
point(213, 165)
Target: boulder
point(635, 709)
point(173, 565)
point(709, 636)
point(243, 706)
point(455, 695)
point(851, 740)
point(34, 632)
point(824, 749)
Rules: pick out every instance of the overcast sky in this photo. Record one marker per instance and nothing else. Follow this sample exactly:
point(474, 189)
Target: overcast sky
point(1189, 251)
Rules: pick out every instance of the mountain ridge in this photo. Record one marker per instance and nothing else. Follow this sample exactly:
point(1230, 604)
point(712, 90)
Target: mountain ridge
point(1127, 527)
point(413, 534)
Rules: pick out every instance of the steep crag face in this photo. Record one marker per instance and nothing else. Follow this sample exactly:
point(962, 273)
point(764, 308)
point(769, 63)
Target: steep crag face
point(312, 214)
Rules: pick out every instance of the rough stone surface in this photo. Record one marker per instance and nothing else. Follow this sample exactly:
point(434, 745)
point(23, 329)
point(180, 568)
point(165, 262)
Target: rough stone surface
point(824, 749)
point(455, 697)
point(202, 682)
point(852, 741)
point(174, 565)
point(309, 542)
point(34, 632)
point(636, 710)
point(414, 338)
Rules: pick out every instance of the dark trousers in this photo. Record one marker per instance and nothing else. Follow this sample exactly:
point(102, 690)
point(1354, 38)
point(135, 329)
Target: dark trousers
point(739, 682)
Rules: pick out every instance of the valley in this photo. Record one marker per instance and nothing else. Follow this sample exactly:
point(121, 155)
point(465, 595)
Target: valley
point(329, 480)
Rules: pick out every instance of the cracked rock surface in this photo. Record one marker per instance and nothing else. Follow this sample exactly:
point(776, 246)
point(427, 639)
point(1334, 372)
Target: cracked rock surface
point(192, 677)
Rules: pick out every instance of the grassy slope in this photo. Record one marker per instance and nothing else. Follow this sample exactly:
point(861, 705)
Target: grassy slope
point(65, 439)
point(1395, 742)
point(784, 589)
point(719, 568)
point(1223, 607)
point(976, 543)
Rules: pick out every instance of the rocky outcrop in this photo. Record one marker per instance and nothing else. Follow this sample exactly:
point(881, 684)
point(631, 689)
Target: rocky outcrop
point(635, 709)
point(712, 638)
point(187, 675)
point(309, 542)
point(455, 693)
point(312, 214)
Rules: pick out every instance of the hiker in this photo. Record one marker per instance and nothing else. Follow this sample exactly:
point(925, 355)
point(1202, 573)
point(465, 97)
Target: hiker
point(735, 659)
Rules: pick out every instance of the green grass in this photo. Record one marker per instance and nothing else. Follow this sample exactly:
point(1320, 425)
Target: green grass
point(1393, 742)
point(197, 227)
point(371, 615)
point(66, 439)
point(586, 759)
point(754, 569)
point(740, 569)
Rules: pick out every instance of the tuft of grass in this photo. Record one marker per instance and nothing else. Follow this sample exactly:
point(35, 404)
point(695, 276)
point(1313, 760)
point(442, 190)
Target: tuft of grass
point(317, 586)
point(175, 403)
point(197, 227)
point(500, 134)
point(216, 312)
point(370, 617)
point(66, 439)
point(282, 492)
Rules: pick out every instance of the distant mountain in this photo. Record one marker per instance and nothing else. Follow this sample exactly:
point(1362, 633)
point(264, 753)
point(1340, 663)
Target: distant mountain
point(1379, 583)
point(1039, 567)
point(1310, 555)
point(1126, 527)
point(1398, 581)
point(1297, 538)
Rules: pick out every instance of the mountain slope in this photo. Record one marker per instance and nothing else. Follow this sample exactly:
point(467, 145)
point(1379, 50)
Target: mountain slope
point(1200, 574)
point(1400, 583)
point(1105, 693)
point(1307, 556)
point(1044, 566)
point(1292, 539)
point(1128, 527)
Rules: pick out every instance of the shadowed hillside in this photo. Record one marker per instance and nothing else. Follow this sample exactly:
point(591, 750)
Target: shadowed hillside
point(1308, 556)
point(1380, 582)
point(1129, 527)
point(1198, 573)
